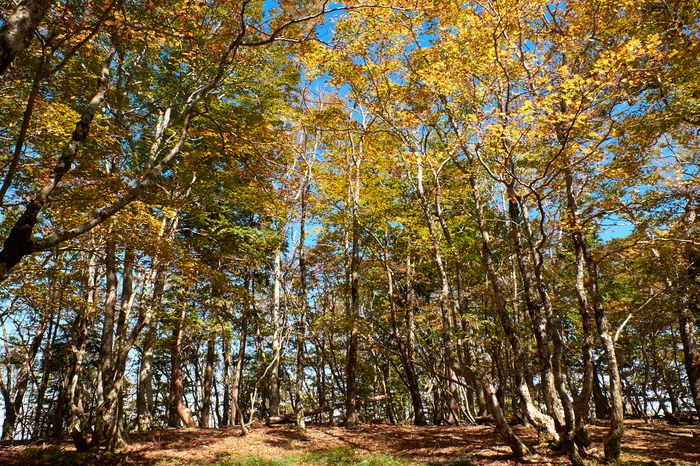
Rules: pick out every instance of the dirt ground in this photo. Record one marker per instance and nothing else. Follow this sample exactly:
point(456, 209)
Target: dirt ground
point(654, 443)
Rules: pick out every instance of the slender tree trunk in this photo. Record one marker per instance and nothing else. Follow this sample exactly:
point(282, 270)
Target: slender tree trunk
point(208, 382)
point(583, 400)
point(560, 402)
point(321, 359)
point(614, 436)
point(480, 396)
point(539, 325)
point(78, 420)
point(689, 303)
point(144, 401)
point(178, 410)
point(105, 363)
point(520, 449)
point(249, 286)
point(544, 424)
point(354, 311)
point(451, 391)
point(226, 403)
point(14, 396)
point(691, 353)
point(20, 143)
point(411, 376)
point(45, 375)
point(274, 383)
point(109, 423)
point(303, 292)
point(457, 264)
point(205, 417)
point(20, 242)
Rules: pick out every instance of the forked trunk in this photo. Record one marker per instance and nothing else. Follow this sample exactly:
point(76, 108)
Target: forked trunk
point(451, 392)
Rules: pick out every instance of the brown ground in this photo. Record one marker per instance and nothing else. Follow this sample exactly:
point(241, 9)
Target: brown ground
point(449, 446)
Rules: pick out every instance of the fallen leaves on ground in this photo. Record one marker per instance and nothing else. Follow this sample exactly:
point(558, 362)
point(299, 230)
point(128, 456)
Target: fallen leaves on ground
point(365, 445)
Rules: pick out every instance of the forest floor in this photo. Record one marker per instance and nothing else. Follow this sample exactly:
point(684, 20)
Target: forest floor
point(656, 443)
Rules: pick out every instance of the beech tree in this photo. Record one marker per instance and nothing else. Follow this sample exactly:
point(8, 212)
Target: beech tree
point(404, 213)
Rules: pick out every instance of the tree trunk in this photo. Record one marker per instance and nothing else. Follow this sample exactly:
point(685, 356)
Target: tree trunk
point(354, 311)
point(144, 401)
point(544, 424)
point(249, 286)
point(457, 261)
point(691, 354)
point(17, 31)
point(583, 400)
point(14, 396)
point(226, 403)
point(301, 331)
point(519, 448)
point(689, 302)
point(274, 383)
point(21, 140)
point(19, 242)
point(411, 376)
point(105, 363)
point(614, 436)
point(78, 421)
point(451, 391)
point(205, 417)
point(109, 423)
point(45, 375)
point(617, 428)
point(178, 410)
point(321, 364)
point(559, 403)
point(539, 325)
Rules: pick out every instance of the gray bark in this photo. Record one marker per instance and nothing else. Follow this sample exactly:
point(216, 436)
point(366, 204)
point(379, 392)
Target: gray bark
point(544, 424)
point(144, 400)
point(451, 391)
point(177, 409)
point(249, 286)
point(301, 331)
point(411, 376)
point(17, 31)
point(690, 289)
point(19, 242)
point(205, 417)
point(14, 395)
point(616, 431)
point(354, 310)
point(274, 383)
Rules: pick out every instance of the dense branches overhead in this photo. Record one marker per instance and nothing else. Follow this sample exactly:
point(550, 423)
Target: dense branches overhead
point(221, 211)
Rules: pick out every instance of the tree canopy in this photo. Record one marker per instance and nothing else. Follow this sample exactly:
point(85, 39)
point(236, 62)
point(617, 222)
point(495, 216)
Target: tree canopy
point(215, 212)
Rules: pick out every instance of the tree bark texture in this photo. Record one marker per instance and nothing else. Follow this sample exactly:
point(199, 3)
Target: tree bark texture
point(451, 391)
point(274, 382)
point(177, 409)
point(688, 308)
point(19, 242)
point(17, 31)
point(354, 311)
